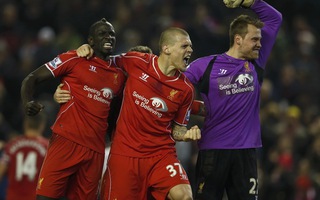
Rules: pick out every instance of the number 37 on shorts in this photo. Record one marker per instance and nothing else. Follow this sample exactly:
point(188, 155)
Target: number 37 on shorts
point(176, 169)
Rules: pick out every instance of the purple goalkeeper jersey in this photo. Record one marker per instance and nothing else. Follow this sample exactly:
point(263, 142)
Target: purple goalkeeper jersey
point(233, 101)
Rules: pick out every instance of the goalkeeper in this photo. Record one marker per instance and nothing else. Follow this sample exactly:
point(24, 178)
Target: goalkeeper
point(230, 87)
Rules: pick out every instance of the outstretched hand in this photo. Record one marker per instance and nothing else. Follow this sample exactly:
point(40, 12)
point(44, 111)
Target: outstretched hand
point(85, 51)
point(32, 108)
point(60, 95)
point(194, 133)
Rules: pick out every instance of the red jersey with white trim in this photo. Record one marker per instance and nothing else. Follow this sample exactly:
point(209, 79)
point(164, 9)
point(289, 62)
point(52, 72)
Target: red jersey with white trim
point(23, 157)
point(93, 84)
point(152, 102)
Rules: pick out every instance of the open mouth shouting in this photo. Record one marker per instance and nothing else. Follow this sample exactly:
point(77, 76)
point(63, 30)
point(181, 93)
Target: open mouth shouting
point(186, 59)
point(107, 45)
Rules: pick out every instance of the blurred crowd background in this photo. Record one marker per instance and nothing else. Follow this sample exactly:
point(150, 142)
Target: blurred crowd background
point(33, 32)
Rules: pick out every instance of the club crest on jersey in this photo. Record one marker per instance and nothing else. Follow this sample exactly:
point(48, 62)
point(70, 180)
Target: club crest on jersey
point(172, 94)
point(159, 104)
point(201, 185)
point(55, 62)
point(246, 66)
point(115, 76)
point(40, 183)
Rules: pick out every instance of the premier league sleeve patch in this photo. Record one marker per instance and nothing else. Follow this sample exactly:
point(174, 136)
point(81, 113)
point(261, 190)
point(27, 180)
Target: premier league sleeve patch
point(55, 62)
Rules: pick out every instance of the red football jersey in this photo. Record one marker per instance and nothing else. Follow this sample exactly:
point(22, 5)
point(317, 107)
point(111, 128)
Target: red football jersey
point(93, 84)
point(152, 101)
point(23, 157)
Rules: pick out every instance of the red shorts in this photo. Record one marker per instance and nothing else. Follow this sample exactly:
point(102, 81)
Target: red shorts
point(128, 178)
point(19, 195)
point(70, 170)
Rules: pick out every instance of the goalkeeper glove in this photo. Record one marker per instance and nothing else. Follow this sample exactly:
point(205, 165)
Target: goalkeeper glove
point(238, 3)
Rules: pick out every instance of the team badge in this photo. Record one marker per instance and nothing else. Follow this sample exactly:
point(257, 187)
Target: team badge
point(115, 76)
point(172, 94)
point(40, 183)
point(200, 188)
point(246, 66)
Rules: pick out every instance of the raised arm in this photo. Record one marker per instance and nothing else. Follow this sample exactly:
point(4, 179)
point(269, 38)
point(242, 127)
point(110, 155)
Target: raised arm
point(272, 20)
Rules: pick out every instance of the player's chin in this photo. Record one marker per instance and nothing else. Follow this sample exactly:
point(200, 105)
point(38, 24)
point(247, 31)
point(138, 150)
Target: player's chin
point(254, 55)
point(183, 68)
point(108, 50)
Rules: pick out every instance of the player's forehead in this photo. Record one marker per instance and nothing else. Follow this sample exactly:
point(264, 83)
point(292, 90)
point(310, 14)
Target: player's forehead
point(253, 30)
point(104, 26)
point(252, 27)
point(182, 39)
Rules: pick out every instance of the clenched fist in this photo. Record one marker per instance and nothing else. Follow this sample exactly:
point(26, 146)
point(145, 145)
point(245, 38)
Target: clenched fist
point(194, 133)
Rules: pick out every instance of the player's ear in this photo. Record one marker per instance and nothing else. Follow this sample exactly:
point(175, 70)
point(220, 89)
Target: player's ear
point(90, 41)
point(237, 39)
point(166, 49)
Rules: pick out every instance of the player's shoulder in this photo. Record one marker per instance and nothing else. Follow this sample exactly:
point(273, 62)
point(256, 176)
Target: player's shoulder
point(186, 80)
point(66, 56)
point(14, 140)
point(71, 53)
point(113, 63)
point(205, 60)
point(139, 56)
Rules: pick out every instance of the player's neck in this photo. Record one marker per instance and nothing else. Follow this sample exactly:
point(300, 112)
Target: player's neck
point(233, 52)
point(31, 133)
point(102, 56)
point(165, 67)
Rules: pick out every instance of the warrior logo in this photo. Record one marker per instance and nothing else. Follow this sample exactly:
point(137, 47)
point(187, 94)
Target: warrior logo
point(144, 77)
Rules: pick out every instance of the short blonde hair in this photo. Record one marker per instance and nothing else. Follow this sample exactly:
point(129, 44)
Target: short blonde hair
point(169, 36)
point(140, 48)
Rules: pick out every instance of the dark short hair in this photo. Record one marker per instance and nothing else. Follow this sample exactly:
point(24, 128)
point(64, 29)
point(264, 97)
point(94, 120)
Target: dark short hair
point(96, 24)
point(240, 26)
